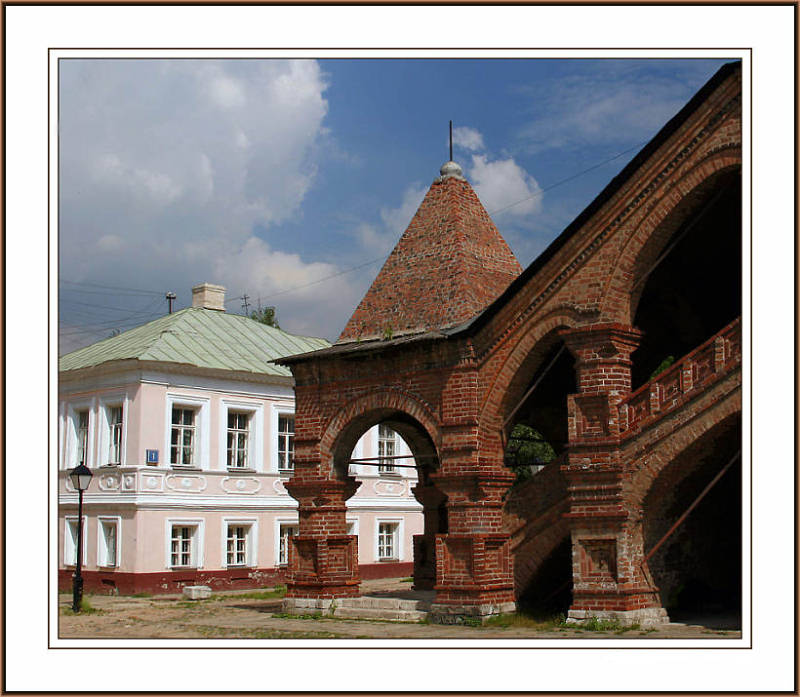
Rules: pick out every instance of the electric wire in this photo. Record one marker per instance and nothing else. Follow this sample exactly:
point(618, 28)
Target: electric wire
point(123, 292)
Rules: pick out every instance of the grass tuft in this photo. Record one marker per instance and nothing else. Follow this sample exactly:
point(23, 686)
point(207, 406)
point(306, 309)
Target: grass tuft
point(86, 609)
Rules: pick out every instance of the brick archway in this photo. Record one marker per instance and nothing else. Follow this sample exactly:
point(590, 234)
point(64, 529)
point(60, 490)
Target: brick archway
point(410, 417)
point(429, 348)
point(691, 518)
point(641, 249)
point(510, 381)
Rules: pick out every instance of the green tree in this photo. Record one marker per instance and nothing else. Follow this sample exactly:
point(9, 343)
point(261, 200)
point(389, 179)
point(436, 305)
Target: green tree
point(266, 316)
point(525, 448)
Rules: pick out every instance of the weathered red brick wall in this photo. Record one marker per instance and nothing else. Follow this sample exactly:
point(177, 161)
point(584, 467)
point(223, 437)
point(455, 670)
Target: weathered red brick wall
point(591, 278)
point(454, 394)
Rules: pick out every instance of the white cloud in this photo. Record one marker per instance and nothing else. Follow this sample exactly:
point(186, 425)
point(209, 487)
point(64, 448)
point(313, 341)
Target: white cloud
point(396, 220)
point(606, 104)
point(169, 167)
point(381, 237)
point(468, 138)
point(504, 187)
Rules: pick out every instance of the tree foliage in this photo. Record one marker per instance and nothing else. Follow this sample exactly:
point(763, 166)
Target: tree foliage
point(266, 316)
point(526, 447)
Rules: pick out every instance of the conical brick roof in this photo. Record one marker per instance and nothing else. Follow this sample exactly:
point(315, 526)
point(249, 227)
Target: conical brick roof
point(450, 264)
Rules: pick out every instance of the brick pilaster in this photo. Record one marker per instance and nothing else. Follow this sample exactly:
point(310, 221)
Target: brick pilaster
point(609, 577)
point(323, 558)
point(474, 564)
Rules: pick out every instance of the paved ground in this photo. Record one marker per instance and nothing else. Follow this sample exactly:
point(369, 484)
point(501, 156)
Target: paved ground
point(250, 615)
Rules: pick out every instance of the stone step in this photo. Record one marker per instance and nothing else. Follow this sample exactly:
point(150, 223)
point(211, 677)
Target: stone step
point(388, 604)
point(377, 613)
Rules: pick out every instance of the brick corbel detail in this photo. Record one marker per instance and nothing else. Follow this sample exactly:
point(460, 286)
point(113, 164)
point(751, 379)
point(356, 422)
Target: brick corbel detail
point(323, 558)
point(607, 549)
point(474, 563)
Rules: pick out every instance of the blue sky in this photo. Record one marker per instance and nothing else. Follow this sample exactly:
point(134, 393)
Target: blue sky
point(267, 176)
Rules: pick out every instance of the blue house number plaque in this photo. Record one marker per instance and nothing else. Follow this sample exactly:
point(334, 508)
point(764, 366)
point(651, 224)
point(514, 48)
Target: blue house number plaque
point(152, 457)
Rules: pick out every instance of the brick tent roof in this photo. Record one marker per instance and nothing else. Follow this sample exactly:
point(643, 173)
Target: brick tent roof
point(449, 265)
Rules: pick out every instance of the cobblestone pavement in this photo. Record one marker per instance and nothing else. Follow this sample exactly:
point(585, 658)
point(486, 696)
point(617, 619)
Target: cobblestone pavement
point(245, 615)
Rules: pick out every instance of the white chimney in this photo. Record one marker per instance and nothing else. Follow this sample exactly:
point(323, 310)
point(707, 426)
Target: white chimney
point(209, 296)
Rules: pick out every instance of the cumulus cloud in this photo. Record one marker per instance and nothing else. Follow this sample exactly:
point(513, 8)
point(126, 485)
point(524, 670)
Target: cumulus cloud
point(468, 138)
point(175, 172)
point(381, 237)
point(504, 187)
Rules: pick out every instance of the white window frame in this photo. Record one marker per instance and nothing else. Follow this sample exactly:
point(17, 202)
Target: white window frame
point(255, 445)
point(250, 545)
point(102, 548)
point(389, 469)
point(399, 533)
point(280, 523)
point(70, 551)
point(202, 430)
point(71, 445)
point(354, 523)
point(198, 542)
point(107, 403)
point(278, 410)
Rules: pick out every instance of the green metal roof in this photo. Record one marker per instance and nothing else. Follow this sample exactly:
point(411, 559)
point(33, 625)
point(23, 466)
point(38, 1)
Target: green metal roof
point(202, 338)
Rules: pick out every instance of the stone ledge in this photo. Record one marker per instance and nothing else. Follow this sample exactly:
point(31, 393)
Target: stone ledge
point(646, 617)
point(456, 614)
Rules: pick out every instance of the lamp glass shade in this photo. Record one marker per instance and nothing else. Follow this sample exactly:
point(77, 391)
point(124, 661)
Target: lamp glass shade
point(81, 476)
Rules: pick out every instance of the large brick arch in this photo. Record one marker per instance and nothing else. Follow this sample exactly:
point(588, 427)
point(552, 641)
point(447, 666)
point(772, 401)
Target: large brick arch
point(408, 415)
point(647, 461)
point(514, 374)
point(684, 197)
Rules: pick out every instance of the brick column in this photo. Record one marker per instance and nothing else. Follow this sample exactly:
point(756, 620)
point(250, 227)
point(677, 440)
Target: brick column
point(609, 578)
point(432, 500)
point(474, 564)
point(323, 558)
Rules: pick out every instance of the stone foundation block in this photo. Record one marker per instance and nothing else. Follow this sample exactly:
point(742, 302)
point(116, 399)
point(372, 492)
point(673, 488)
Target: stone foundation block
point(468, 614)
point(645, 617)
point(197, 592)
point(307, 606)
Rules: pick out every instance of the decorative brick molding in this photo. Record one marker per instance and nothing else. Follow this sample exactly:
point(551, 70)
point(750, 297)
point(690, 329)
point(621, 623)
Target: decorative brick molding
point(451, 390)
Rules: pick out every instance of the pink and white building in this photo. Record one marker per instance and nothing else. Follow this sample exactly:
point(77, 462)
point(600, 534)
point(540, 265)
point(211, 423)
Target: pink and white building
point(187, 425)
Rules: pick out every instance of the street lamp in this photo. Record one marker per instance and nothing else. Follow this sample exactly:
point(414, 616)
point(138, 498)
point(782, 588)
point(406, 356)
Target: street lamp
point(80, 477)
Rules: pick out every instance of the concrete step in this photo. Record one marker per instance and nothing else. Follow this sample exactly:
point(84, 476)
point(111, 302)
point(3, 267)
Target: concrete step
point(377, 613)
point(386, 604)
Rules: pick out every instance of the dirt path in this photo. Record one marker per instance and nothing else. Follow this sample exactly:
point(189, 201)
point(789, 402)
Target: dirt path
point(246, 615)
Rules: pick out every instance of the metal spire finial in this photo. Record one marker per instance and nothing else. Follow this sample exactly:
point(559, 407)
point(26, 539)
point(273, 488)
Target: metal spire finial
point(451, 140)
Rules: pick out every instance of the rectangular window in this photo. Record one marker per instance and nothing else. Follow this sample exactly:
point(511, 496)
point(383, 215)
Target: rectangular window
point(115, 435)
point(285, 443)
point(286, 532)
point(182, 444)
point(82, 433)
point(108, 543)
point(182, 548)
point(386, 448)
point(71, 542)
point(236, 546)
point(238, 439)
point(387, 541)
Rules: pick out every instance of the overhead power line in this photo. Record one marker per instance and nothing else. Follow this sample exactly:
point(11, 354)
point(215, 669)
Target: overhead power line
point(116, 288)
point(494, 212)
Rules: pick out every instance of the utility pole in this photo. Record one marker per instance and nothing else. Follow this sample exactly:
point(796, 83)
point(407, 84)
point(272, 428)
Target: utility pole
point(170, 296)
point(245, 304)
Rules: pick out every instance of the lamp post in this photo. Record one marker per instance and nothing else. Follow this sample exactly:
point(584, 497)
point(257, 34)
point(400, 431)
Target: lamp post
point(80, 477)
